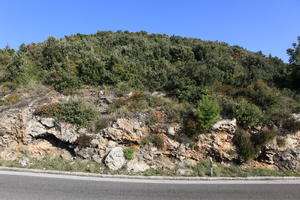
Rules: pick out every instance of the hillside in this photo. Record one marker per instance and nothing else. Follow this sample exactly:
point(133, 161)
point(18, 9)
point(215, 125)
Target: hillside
point(162, 102)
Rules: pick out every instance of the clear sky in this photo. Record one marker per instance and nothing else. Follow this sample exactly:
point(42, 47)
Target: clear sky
point(267, 25)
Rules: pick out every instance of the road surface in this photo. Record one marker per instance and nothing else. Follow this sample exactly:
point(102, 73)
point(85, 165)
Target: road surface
point(31, 186)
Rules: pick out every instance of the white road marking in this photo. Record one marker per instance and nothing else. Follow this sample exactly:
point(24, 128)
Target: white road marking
point(130, 180)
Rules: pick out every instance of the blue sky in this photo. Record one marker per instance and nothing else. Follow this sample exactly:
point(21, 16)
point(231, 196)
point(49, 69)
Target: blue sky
point(267, 25)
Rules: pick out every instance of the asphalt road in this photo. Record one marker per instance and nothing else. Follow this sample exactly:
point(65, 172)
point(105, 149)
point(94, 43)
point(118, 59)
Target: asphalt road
point(31, 186)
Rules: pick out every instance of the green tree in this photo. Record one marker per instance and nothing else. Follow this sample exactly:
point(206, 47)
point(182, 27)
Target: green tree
point(208, 112)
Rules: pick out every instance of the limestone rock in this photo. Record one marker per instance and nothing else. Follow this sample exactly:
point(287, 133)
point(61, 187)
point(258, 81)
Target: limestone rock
point(115, 159)
point(137, 166)
point(171, 131)
point(48, 122)
point(126, 129)
point(296, 117)
point(225, 125)
point(67, 133)
point(184, 172)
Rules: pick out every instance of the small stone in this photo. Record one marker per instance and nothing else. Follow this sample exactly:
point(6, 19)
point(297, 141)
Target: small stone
point(184, 172)
point(171, 131)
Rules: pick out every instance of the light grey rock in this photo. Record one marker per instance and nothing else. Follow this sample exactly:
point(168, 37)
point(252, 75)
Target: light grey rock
point(34, 128)
point(226, 125)
point(171, 131)
point(184, 172)
point(97, 158)
point(137, 166)
point(48, 122)
point(111, 144)
point(158, 94)
point(106, 100)
point(67, 133)
point(296, 117)
point(115, 159)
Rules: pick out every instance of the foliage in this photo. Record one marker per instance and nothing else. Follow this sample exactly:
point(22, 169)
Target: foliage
point(281, 142)
point(75, 112)
point(47, 110)
point(245, 148)
point(263, 138)
point(291, 125)
point(129, 153)
point(10, 99)
point(158, 141)
point(247, 114)
point(208, 112)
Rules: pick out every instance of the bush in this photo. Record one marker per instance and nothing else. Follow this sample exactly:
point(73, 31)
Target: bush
point(263, 138)
point(291, 125)
point(47, 110)
point(245, 148)
point(129, 153)
point(281, 142)
point(208, 112)
point(247, 114)
point(158, 141)
point(10, 99)
point(75, 112)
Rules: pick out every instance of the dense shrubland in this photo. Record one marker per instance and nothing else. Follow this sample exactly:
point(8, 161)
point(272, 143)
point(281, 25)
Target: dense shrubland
point(212, 79)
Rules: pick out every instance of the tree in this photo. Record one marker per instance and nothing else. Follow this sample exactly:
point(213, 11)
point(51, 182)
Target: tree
point(208, 112)
point(294, 53)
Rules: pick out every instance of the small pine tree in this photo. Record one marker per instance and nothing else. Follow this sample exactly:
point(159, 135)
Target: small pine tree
point(208, 112)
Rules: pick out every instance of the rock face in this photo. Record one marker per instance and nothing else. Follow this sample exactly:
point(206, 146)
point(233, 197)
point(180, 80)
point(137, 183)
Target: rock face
point(285, 158)
point(115, 159)
point(137, 166)
point(126, 130)
point(23, 133)
point(225, 125)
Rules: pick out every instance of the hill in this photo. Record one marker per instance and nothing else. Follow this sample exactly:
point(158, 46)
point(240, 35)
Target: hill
point(173, 85)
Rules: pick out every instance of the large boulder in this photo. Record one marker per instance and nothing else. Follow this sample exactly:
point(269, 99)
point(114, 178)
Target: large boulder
point(115, 159)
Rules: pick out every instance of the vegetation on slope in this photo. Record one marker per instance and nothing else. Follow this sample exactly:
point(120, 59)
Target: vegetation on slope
point(212, 78)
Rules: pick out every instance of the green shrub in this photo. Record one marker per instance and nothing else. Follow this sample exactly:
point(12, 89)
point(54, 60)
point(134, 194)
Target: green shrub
point(63, 82)
point(47, 110)
point(129, 153)
point(75, 112)
point(263, 95)
point(10, 99)
point(263, 138)
point(228, 106)
point(145, 141)
point(208, 112)
point(158, 141)
point(247, 114)
point(281, 142)
point(100, 124)
point(245, 148)
point(291, 125)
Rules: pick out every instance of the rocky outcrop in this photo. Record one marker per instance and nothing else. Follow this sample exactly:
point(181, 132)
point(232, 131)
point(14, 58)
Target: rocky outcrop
point(225, 125)
point(115, 159)
point(24, 134)
point(137, 166)
point(126, 130)
point(285, 158)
